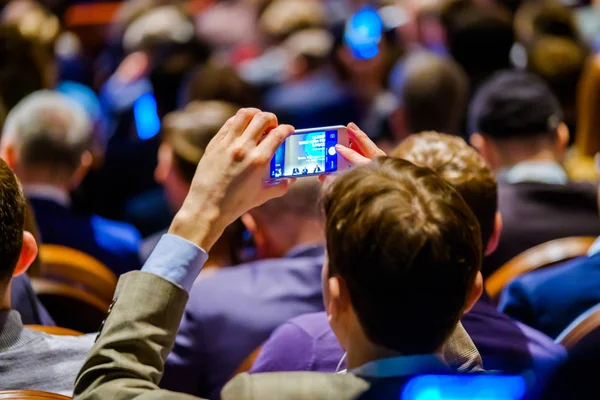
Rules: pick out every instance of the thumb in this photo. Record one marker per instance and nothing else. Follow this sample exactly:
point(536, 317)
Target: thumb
point(276, 189)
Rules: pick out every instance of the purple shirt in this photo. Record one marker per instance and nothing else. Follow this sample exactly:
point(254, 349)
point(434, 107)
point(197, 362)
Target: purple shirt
point(307, 343)
point(234, 311)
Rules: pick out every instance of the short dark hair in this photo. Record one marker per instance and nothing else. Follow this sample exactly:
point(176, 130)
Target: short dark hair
point(514, 105)
point(460, 165)
point(190, 130)
point(434, 93)
point(12, 207)
point(408, 248)
point(479, 38)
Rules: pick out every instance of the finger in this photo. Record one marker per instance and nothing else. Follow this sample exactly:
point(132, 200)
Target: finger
point(261, 123)
point(274, 139)
point(362, 141)
point(276, 189)
point(240, 122)
point(351, 156)
point(222, 132)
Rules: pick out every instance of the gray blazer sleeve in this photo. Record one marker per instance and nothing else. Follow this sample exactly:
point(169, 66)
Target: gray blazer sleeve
point(128, 358)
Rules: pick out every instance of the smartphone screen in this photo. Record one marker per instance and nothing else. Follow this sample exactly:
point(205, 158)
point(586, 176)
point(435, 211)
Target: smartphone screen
point(305, 154)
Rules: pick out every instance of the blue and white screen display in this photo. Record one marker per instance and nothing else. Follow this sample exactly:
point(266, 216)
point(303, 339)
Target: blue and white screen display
point(304, 154)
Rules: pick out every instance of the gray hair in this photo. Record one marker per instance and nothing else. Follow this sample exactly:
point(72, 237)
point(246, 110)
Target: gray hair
point(302, 199)
point(48, 130)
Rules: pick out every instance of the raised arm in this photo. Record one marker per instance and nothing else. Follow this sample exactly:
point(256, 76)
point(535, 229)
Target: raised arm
point(127, 360)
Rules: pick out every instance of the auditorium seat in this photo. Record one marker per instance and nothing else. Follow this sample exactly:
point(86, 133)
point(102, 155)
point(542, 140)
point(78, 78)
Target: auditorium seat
point(541, 256)
point(582, 333)
point(247, 364)
point(71, 307)
point(54, 330)
point(77, 269)
point(30, 395)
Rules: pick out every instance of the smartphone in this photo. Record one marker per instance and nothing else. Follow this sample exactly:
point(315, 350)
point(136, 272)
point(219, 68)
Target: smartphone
point(309, 152)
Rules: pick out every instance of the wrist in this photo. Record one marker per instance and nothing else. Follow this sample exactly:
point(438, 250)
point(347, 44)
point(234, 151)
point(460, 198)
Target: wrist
point(199, 226)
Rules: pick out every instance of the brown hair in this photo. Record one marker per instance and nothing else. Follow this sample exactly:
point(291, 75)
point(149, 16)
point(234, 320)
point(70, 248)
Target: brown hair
point(12, 207)
point(408, 248)
point(460, 165)
point(189, 131)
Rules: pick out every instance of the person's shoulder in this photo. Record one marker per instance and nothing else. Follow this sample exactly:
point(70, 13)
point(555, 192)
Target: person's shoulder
point(554, 278)
point(313, 324)
point(296, 385)
point(75, 344)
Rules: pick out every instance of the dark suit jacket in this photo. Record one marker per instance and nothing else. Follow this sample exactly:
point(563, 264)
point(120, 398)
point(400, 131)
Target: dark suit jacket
point(24, 300)
point(234, 311)
point(534, 213)
point(113, 243)
point(550, 299)
point(127, 360)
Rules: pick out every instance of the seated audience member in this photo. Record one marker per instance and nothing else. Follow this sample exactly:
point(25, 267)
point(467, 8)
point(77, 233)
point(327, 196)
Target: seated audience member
point(551, 299)
point(518, 129)
point(186, 134)
point(480, 38)
point(425, 83)
point(307, 343)
point(235, 310)
point(413, 246)
point(45, 140)
point(28, 359)
point(559, 62)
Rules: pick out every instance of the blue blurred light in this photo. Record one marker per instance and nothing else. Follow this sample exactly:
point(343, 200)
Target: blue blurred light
point(465, 387)
point(147, 122)
point(363, 33)
point(83, 95)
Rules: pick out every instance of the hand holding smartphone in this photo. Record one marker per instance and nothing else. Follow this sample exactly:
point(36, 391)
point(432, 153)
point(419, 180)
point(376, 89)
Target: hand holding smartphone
point(309, 152)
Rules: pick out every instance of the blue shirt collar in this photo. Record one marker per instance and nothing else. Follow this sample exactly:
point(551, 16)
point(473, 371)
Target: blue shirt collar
point(594, 248)
point(402, 366)
point(534, 171)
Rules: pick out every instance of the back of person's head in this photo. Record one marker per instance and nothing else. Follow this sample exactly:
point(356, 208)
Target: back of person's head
point(309, 48)
point(460, 165)
point(186, 133)
point(548, 17)
point(515, 116)
point(47, 137)
point(559, 61)
point(12, 207)
point(479, 38)
point(292, 220)
point(433, 92)
point(404, 250)
point(216, 81)
point(281, 18)
point(22, 70)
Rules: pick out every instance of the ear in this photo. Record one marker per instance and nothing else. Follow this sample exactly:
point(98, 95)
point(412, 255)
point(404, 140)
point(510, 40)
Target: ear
point(475, 294)
point(485, 148)
point(249, 222)
point(9, 155)
point(29, 251)
point(398, 125)
point(562, 139)
point(494, 239)
point(86, 163)
point(165, 163)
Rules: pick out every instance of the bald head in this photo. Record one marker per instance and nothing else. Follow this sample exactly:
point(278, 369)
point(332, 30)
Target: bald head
point(434, 93)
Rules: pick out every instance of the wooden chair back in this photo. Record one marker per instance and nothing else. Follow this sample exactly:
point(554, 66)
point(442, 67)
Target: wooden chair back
point(30, 395)
point(54, 330)
point(71, 307)
point(79, 270)
point(247, 364)
point(541, 256)
point(586, 328)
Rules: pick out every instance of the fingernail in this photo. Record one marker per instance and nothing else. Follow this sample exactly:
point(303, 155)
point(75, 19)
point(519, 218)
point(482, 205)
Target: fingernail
point(352, 126)
point(338, 146)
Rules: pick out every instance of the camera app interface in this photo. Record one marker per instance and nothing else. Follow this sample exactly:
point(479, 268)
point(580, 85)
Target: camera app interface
point(305, 154)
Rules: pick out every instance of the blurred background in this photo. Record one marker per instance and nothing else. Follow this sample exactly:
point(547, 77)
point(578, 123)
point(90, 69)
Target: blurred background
point(394, 67)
